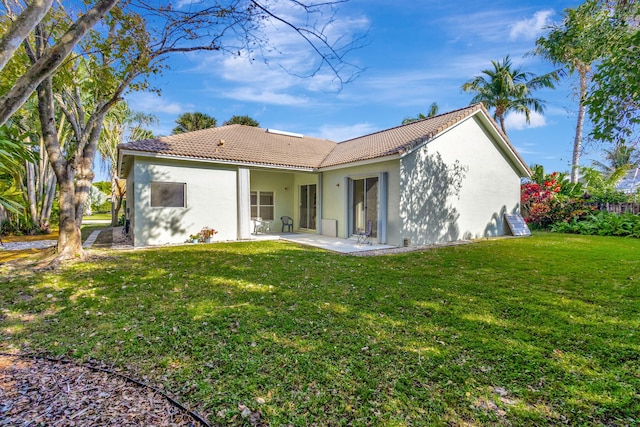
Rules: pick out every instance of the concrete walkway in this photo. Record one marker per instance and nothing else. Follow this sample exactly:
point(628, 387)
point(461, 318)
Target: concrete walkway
point(91, 239)
point(35, 244)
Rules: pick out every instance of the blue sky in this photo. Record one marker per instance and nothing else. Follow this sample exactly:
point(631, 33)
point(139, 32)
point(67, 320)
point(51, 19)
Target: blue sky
point(417, 52)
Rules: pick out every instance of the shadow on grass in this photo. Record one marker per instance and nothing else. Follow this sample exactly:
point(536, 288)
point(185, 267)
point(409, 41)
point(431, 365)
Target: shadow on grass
point(512, 331)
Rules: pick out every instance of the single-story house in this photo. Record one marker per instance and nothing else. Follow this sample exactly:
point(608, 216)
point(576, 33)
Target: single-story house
point(445, 178)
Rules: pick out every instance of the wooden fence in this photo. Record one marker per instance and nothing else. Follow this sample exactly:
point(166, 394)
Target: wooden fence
point(633, 208)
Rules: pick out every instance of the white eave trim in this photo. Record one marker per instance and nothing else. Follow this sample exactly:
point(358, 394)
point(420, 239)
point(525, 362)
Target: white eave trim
point(360, 163)
point(135, 153)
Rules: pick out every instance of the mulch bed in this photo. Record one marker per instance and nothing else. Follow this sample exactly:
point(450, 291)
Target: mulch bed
point(38, 392)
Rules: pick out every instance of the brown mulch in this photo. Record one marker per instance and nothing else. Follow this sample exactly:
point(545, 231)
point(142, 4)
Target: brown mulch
point(38, 392)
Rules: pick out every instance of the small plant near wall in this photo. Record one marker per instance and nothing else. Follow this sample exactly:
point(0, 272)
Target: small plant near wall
point(207, 233)
point(203, 236)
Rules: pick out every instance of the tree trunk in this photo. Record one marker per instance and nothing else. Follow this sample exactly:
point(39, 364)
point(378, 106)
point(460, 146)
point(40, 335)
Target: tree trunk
point(504, 129)
point(115, 202)
point(50, 60)
point(47, 203)
point(69, 240)
point(85, 174)
point(21, 27)
point(31, 192)
point(577, 141)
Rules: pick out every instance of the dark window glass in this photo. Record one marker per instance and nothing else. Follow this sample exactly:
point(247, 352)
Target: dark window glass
point(168, 194)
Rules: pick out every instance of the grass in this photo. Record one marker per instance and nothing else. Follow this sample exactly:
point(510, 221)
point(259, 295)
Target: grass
point(98, 216)
point(533, 331)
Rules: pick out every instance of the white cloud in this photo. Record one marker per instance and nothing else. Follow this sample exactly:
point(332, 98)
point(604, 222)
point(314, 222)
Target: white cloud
point(472, 27)
point(151, 103)
point(263, 96)
point(344, 133)
point(517, 121)
point(532, 28)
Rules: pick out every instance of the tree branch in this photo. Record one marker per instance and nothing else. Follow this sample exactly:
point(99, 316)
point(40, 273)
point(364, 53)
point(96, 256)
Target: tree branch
point(21, 27)
point(52, 58)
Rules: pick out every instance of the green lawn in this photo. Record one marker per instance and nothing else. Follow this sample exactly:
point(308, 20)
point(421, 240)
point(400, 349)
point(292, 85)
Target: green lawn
point(98, 216)
point(533, 331)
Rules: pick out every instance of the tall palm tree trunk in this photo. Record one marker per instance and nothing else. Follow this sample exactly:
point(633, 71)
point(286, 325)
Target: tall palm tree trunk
point(577, 141)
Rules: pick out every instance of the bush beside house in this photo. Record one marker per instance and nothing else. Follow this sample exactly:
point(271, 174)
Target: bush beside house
point(551, 202)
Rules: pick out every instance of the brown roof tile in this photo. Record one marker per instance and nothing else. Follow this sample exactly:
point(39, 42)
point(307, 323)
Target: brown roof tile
point(238, 143)
point(395, 140)
point(246, 144)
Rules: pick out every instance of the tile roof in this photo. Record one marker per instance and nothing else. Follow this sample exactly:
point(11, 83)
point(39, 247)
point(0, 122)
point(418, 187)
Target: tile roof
point(238, 143)
point(246, 144)
point(395, 140)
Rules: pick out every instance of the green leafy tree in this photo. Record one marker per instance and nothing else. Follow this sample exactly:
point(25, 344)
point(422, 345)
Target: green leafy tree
point(573, 46)
point(601, 185)
point(188, 122)
point(242, 120)
point(119, 57)
point(620, 156)
point(506, 88)
point(49, 59)
point(13, 155)
point(433, 111)
point(614, 98)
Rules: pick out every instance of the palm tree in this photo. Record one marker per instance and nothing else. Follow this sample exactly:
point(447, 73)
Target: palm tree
point(13, 154)
point(506, 88)
point(433, 111)
point(621, 156)
point(242, 120)
point(120, 123)
point(572, 46)
point(188, 122)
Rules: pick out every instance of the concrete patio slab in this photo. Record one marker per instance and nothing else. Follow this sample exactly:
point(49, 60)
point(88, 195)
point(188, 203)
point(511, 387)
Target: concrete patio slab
point(334, 244)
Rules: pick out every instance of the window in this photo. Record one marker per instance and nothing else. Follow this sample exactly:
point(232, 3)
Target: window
point(168, 194)
point(262, 205)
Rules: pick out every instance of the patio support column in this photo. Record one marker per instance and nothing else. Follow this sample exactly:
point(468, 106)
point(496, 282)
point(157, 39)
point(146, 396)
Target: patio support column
point(348, 212)
point(319, 205)
point(383, 179)
point(244, 203)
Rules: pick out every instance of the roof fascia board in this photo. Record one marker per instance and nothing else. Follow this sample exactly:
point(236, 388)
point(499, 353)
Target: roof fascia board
point(360, 163)
point(136, 153)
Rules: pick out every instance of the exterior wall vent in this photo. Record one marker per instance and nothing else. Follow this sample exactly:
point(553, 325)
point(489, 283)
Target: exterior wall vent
point(406, 242)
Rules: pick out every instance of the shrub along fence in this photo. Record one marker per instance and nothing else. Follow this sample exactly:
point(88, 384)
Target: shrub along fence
point(619, 208)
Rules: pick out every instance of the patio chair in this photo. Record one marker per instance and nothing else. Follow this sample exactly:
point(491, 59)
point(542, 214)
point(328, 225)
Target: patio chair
point(261, 225)
point(287, 222)
point(364, 236)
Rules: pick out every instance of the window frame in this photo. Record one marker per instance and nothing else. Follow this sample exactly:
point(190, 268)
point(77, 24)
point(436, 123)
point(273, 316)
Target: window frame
point(175, 185)
point(258, 205)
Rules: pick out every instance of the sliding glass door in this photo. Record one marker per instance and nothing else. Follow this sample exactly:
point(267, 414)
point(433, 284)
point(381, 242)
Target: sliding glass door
point(364, 204)
point(308, 206)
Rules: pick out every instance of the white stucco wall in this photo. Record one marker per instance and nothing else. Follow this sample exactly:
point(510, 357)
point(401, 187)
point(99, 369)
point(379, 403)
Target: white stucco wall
point(458, 186)
point(211, 201)
point(335, 198)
